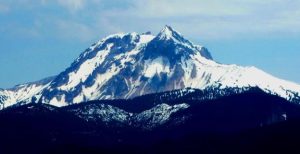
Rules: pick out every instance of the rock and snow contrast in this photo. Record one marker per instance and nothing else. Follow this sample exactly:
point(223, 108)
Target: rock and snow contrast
point(124, 66)
point(148, 119)
point(24, 93)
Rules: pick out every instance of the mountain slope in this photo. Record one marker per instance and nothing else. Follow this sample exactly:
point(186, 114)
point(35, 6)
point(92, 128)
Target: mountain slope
point(23, 93)
point(124, 66)
point(106, 125)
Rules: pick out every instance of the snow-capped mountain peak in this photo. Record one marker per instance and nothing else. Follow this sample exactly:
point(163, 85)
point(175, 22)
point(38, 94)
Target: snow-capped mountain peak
point(172, 45)
point(169, 33)
point(126, 65)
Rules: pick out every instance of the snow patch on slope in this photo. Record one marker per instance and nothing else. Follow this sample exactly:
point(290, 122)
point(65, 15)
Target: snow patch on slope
point(103, 112)
point(86, 69)
point(25, 93)
point(156, 66)
point(158, 115)
point(59, 102)
point(153, 117)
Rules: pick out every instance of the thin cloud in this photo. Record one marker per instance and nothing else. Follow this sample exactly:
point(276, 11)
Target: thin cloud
point(208, 19)
point(216, 19)
point(67, 29)
point(72, 5)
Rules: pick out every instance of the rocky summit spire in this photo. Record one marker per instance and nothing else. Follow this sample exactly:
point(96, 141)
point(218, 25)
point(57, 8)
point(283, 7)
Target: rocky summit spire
point(168, 33)
point(170, 43)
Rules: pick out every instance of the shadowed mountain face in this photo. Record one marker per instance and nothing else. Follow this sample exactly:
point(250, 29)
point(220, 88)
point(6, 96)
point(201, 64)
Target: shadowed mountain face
point(178, 124)
point(125, 66)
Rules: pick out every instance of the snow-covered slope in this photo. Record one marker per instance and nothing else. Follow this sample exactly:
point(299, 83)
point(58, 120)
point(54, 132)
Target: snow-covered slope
point(123, 66)
point(148, 119)
point(23, 93)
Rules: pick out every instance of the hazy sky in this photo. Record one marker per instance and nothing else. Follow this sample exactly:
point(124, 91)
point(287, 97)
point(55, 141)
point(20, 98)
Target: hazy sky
point(40, 38)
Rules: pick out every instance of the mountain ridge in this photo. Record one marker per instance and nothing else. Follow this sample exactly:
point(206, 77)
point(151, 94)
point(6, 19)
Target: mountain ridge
point(106, 127)
point(127, 65)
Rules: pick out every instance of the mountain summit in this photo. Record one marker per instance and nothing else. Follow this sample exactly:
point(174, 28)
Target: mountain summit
point(124, 66)
point(168, 33)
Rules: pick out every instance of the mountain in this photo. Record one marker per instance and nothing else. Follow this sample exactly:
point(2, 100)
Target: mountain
point(237, 123)
point(139, 93)
point(125, 66)
point(235, 111)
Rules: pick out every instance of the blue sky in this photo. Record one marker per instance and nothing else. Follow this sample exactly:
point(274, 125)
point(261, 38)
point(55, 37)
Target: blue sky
point(40, 38)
